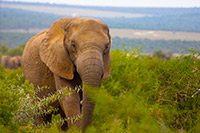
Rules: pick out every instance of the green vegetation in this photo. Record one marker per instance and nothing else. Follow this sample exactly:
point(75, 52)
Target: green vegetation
point(162, 55)
point(4, 50)
point(12, 88)
point(18, 106)
point(142, 95)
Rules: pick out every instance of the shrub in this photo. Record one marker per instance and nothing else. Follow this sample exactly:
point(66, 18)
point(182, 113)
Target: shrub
point(169, 89)
point(4, 50)
point(10, 92)
point(18, 104)
point(16, 51)
point(162, 55)
point(142, 95)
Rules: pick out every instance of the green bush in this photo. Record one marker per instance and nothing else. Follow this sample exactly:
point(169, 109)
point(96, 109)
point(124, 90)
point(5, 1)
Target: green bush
point(4, 50)
point(142, 95)
point(18, 104)
point(162, 55)
point(10, 92)
point(16, 51)
point(168, 89)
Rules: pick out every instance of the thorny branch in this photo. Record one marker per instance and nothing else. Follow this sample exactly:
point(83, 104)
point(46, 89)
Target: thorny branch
point(196, 92)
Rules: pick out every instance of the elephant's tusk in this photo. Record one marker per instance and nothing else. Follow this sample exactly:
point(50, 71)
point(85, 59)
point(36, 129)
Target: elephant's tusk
point(81, 102)
point(77, 89)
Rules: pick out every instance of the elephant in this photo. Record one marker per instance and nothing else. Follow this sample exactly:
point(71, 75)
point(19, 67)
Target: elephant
point(11, 62)
point(72, 52)
point(4, 60)
point(14, 62)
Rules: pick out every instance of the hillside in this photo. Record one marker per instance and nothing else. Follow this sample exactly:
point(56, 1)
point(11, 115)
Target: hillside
point(168, 19)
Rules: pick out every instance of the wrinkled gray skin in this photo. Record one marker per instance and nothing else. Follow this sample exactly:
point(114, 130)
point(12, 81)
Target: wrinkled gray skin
point(11, 62)
point(72, 52)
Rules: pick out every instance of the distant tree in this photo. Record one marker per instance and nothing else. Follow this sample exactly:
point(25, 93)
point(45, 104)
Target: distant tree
point(3, 49)
point(16, 51)
point(163, 55)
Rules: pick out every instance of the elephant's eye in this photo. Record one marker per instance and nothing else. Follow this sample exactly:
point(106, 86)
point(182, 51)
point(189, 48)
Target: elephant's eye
point(73, 46)
point(106, 47)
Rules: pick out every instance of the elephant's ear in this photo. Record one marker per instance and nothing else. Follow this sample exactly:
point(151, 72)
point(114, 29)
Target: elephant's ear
point(106, 66)
point(107, 62)
point(53, 52)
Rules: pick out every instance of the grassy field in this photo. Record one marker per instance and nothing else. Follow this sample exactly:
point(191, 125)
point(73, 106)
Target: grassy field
point(74, 12)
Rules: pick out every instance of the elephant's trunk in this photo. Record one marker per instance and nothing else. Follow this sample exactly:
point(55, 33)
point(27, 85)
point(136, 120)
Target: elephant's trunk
point(87, 112)
point(91, 74)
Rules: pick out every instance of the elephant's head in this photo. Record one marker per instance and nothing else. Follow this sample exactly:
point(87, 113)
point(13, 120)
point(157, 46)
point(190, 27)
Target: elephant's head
point(81, 45)
point(5, 60)
point(16, 62)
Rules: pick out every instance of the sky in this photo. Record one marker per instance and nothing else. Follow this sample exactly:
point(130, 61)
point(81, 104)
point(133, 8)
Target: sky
point(123, 3)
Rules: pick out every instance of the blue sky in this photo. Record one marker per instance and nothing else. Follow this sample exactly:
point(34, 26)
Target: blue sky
point(124, 3)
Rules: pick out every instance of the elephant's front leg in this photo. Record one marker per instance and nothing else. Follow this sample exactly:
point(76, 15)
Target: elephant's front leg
point(70, 104)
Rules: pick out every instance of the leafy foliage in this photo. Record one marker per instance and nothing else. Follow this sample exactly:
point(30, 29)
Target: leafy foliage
point(142, 95)
point(19, 104)
point(17, 51)
point(162, 55)
point(10, 92)
point(146, 94)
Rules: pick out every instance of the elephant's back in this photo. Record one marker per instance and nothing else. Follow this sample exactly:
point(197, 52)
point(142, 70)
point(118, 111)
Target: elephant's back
point(34, 69)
